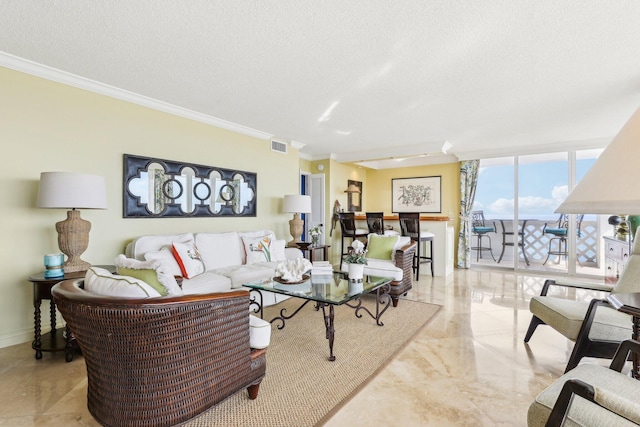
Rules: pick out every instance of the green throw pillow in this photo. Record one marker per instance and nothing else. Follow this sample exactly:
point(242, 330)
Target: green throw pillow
point(381, 247)
point(148, 276)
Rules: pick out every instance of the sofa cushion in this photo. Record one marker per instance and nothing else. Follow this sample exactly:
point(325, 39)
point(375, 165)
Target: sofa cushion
point(241, 274)
point(381, 247)
point(165, 256)
point(100, 281)
point(220, 249)
point(278, 250)
point(144, 244)
point(206, 283)
point(259, 332)
point(382, 268)
point(188, 258)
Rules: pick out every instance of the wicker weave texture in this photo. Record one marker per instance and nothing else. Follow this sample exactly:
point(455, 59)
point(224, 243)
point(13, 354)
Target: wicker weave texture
point(160, 363)
point(403, 259)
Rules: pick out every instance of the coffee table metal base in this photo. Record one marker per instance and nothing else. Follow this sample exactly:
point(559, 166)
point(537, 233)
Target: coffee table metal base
point(383, 301)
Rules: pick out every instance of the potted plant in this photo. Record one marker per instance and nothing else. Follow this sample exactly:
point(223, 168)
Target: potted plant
point(315, 233)
point(356, 260)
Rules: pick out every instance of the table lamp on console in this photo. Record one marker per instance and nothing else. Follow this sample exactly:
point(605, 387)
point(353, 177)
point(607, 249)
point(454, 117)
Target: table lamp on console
point(612, 184)
point(296, 204)
point(70, 190)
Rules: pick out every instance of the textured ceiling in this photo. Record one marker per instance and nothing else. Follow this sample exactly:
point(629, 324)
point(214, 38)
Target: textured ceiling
point(359, 80)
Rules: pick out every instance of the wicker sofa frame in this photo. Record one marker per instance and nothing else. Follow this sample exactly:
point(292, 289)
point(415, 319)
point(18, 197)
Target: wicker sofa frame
point(161, 361)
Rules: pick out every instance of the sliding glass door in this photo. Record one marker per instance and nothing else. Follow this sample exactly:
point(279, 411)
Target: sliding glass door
point(518, 197)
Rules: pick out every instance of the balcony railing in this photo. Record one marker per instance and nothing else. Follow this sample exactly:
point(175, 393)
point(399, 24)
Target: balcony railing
point(536, 244)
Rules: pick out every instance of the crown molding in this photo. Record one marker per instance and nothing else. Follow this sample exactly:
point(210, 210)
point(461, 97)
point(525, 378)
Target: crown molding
point(556, 147)
point(39, 70)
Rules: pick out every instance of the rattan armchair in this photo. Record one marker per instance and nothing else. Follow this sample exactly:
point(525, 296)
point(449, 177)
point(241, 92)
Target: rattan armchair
point(161, 361)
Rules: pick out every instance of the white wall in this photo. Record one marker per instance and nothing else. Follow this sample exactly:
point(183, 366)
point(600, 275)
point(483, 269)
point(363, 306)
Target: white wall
point(47, 126)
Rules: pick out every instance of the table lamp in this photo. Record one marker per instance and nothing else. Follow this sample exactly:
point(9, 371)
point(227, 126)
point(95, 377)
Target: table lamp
point(296, 204)
point(69, 190)
point(610, 186)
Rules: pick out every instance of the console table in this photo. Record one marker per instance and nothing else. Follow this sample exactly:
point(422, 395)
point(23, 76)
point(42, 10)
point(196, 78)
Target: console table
point(55, 340)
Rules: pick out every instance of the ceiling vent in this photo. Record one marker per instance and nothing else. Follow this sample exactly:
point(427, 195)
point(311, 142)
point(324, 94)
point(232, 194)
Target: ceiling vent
point(279, 146)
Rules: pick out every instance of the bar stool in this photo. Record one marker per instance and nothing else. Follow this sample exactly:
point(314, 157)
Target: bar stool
point(349, 230)
point(375, 223)
point(410, 226)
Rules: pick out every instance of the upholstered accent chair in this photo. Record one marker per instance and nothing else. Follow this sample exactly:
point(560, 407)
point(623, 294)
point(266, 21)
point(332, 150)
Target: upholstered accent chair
point(596, 327)
point(161, 361)
point(591, 395)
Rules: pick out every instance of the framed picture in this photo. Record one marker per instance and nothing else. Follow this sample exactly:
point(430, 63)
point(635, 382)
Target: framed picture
point(354, 199)
point(421, 194)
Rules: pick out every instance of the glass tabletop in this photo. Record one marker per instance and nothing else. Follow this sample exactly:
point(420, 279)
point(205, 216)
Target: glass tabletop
point(328, 288)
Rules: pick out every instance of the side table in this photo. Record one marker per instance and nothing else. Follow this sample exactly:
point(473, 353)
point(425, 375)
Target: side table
point(630, 304)
point(54, 340)
point(310, 251)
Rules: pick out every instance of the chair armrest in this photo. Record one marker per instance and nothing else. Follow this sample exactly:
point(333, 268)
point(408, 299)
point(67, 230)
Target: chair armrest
point(622, 354)
point(575, 285)
point(563, 403)
point(404, 255)
point(605, 399)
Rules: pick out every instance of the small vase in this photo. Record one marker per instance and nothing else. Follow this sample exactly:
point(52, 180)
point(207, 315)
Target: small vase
point(314, 241)
point(356, 272)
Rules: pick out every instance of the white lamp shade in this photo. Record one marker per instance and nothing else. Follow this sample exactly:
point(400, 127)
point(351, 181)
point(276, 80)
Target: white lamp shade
point(296, 203)
point(612, 185)
point(70, 190)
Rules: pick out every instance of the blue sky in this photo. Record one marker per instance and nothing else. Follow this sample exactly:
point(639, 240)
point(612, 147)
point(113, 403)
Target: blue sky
point(543, 186)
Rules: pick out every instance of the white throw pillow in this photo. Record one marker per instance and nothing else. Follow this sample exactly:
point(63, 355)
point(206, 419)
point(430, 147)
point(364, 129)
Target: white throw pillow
point(155, 273)
point(258, 249)
point(165, 256)
point(188, 258)
point(101, 282)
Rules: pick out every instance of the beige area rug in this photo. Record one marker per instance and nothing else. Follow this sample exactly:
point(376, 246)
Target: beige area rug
point(301, 387)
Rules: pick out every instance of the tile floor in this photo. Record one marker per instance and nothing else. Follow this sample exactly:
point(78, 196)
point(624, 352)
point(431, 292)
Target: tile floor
point(468, 366)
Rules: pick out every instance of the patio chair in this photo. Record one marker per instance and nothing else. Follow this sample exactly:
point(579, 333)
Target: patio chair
point(480, 229)
point(595, 326)
point(559, 233)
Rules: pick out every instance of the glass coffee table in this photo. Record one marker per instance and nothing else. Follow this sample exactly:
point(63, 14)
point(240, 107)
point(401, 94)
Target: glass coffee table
point(327, 291)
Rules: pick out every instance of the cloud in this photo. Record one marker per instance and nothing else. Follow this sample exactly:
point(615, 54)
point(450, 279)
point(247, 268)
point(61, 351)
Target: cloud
point(559, 193)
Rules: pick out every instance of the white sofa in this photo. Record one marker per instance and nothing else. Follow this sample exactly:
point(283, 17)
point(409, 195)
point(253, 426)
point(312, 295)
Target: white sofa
point(229, 259)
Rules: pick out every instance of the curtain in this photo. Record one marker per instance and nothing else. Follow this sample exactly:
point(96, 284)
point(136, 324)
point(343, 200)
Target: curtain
point(468, 183)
